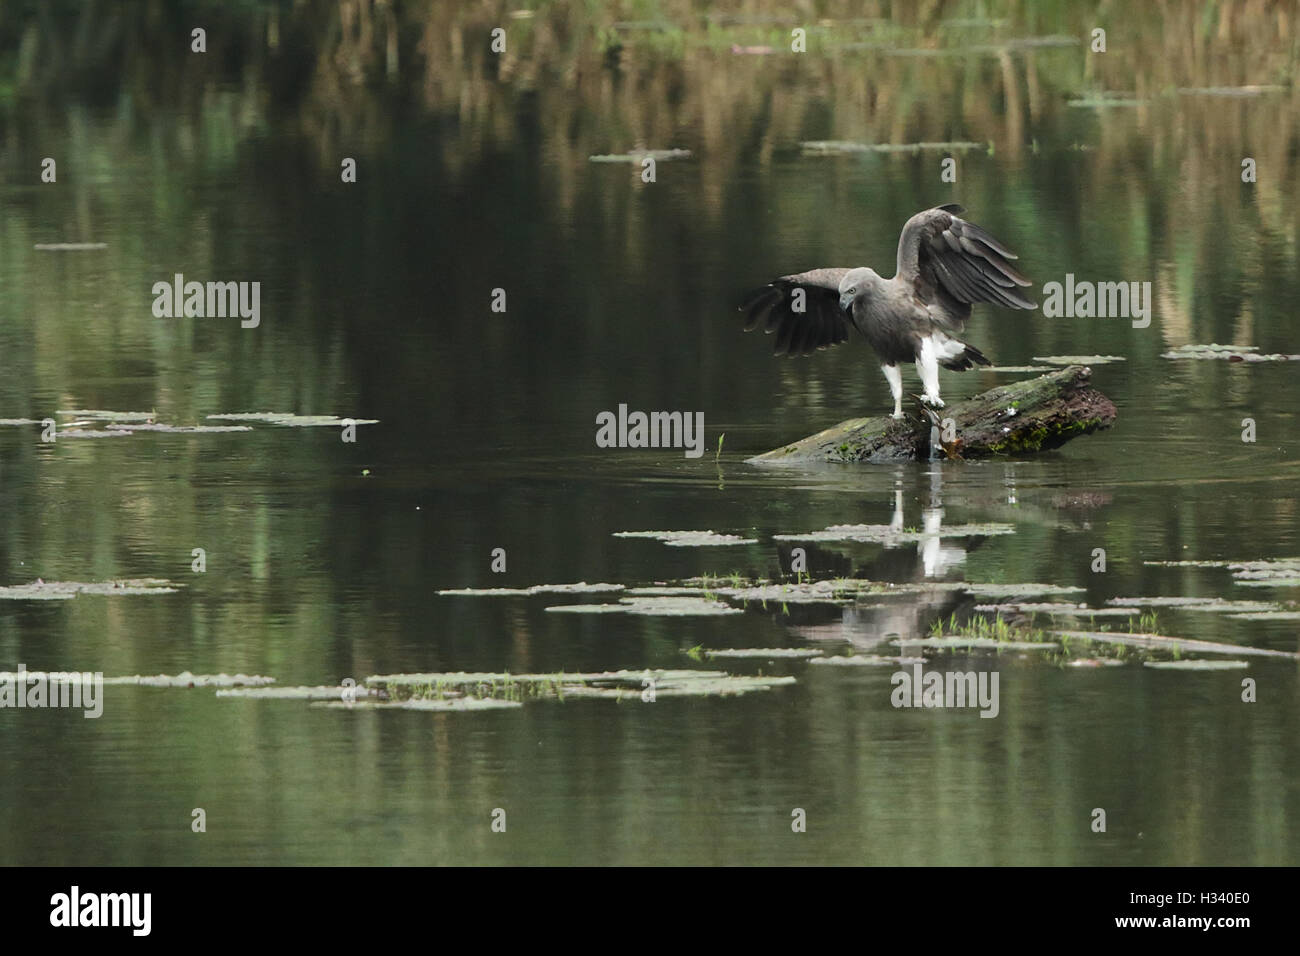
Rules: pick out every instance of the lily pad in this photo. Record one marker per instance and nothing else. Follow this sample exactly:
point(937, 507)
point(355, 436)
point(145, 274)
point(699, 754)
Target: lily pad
point(446, 705)
point(1213, 604)
point(806, 592)
point(62, 590)
point(1018, 590)
point(885, 534)
point(1101, 102)
point(19, 421)
point(69, 246)
point(183, 679)
point(663, 591)
point(186, 679)
point(1159, 642)
point(653, 607)
point(614, 685)
point(176, 429)
point(91, 433)
point(637, 155)
point(866, 660)
point(1196, 665)
point(582, 587)
point(1095, 662)
point(1230, 353)
point(1079, 359)
point(296, 421)
point(827, 147)
point(300, 693)
point(765, 653)
point(1251, 90)
point(1268, 616)
point(103, 415)
point(688, 539)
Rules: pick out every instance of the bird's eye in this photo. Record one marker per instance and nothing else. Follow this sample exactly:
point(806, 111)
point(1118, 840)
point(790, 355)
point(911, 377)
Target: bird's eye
point(853, 291)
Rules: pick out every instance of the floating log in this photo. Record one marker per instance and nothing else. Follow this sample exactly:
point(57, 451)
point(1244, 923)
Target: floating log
point(1023, 417)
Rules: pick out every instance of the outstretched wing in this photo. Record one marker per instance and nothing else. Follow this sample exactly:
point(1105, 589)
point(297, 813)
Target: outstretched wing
point(821, 324)
point(952, 263)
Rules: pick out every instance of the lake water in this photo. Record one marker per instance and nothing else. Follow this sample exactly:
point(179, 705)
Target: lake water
point(323, 557)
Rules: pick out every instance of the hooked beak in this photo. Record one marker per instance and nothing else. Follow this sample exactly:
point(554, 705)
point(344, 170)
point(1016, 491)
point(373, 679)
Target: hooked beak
point(846, 301)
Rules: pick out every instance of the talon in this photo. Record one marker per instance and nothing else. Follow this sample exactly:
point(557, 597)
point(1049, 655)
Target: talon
point(934, 401)
point(896, 416)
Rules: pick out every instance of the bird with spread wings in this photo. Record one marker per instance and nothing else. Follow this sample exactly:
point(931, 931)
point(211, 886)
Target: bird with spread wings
point(945, 265)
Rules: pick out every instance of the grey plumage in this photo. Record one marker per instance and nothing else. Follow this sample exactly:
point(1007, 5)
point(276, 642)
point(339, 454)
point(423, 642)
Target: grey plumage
point(945, 265)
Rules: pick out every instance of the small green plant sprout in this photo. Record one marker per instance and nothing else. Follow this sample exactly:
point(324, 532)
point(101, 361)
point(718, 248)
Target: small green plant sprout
point(696, 653)
point(718, 455)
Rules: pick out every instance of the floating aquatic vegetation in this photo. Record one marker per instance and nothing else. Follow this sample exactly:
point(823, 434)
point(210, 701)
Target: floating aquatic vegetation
point(447, 705)
point(637, 155)
point(1178, 645)
point(1230, 90)
point(1079, 359)
point(764, 653)
point(1014, 368)
point(186, 679)
point(1068, 610)
point(1095, 662)
point(104, 415)
point(884, 534)
point(688, 539)
point(833, 591)
point(866, 660)
point(653, 607)
point(183, 679)
point(803, 592)
point(1214, 604)
point(92, 433)
point(582, 587)
point(1196, 665)
point(175, 429)
point(662, 591)
point(300, 693)
point(1268, 616)
point(69, 246)
point(951, 641)
point(1267, 573)
point(62, 590)
point(1230, 353)
point(1018, 590)
point(828, 147)
point(19, 421)
point(296, 421)
point(1260, 570)
point(1101, 101)
point(613, 685)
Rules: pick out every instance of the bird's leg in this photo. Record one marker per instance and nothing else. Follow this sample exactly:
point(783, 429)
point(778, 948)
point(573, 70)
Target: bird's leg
point(895, 377)
point(927, 366)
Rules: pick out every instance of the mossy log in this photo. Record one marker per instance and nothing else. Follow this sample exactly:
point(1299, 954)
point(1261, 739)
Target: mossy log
point(1020, 418)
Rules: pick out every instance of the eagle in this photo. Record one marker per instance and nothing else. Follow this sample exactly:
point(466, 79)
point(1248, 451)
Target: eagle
point(945, 265)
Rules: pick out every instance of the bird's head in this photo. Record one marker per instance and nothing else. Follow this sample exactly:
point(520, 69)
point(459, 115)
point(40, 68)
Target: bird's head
point(856, 282)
